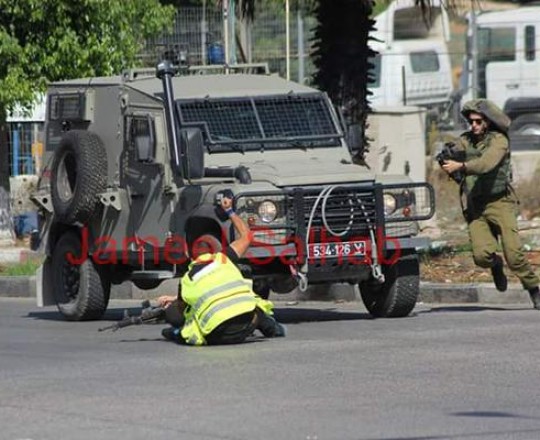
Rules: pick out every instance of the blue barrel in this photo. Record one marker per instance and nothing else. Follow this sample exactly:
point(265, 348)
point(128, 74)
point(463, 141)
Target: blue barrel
point(216, 54)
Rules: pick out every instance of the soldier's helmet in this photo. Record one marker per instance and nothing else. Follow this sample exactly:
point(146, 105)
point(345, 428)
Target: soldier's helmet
point(488, 110)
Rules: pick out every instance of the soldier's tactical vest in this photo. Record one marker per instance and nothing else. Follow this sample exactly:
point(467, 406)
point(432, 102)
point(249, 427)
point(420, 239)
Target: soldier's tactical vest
point(492, 183)
point(215, 294)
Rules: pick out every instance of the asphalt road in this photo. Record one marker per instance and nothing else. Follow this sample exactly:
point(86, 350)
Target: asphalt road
point(448, 372)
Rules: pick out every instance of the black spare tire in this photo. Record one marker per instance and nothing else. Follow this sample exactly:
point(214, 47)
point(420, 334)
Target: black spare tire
point(78, 176)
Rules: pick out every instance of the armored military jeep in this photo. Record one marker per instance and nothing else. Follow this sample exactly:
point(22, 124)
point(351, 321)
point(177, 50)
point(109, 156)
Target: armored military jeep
point(136, 163)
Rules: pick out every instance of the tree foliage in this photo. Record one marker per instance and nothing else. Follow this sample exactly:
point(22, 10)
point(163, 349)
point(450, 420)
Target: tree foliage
point(48, 40)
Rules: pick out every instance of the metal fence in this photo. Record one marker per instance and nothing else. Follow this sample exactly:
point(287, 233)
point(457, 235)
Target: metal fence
point(198, 37)
point(25, 144)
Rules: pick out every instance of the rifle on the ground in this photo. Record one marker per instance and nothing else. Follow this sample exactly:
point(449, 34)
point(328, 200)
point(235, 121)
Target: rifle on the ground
point(149, 314)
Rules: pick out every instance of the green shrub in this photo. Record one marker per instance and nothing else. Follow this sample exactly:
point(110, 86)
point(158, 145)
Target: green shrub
point(20, 269)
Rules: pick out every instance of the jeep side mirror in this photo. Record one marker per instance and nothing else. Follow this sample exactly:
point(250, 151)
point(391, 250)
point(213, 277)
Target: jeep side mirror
point(354, 137)
point(192, 146)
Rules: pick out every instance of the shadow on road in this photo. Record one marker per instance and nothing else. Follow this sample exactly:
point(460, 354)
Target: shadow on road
point(285, 315)
point(471, 308)
point(493, 414)
point(296, 315)
point(112, 314)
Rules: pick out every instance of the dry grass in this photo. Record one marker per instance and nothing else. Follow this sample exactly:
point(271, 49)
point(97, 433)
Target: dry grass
point(528, 193)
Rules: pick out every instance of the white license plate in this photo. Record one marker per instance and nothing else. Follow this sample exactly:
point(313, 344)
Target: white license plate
point(325, 250)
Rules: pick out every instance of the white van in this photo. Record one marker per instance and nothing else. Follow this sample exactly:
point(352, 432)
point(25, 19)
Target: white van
point(503, 64)
point(507, 60)
point(411, 72)
point(412, 66)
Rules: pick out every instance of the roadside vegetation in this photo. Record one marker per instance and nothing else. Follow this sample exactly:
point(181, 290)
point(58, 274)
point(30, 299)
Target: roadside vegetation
point(25, 268)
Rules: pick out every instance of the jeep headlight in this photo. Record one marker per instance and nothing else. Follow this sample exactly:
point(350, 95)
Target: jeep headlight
point(267, 211)
point(262, 210)
point(408, 202)
point(390, 204)
point(266, 215)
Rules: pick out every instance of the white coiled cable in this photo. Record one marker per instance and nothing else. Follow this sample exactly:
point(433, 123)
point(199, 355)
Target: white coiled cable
point(324, 195)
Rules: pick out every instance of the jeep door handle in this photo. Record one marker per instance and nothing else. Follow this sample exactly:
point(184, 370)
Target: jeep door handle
point(513, 86)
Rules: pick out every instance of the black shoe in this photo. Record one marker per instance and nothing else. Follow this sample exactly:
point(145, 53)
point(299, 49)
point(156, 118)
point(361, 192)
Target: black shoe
point(501, 282)
point(534, 293)
point(270, 328)
point(281, 330)
point(171, 334)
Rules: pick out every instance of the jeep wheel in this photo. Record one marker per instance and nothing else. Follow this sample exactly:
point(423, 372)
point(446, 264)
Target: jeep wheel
point(78, 176)
point(283, 284)
point(82, 290)
point(397, 296)
point(261, 288)
point(147, 284)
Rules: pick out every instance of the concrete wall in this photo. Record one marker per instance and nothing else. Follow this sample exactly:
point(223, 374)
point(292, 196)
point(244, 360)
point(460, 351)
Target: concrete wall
point(398, 141)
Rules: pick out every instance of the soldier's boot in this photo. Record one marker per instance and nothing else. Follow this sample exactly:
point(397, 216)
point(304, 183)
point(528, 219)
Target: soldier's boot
point(534, 293)
point(497, 272)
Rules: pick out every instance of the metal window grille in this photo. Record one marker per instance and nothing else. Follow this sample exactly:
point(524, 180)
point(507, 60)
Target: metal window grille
point(256, 119)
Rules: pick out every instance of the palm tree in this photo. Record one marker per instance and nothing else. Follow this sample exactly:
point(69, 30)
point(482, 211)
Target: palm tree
point(341, 55)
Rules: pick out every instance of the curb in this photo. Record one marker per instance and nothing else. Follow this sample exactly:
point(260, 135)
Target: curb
point(25, 287)
point(484, 293)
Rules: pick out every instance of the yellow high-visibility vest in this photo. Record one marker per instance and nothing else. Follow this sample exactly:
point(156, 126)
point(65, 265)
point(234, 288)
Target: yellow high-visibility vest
point(216, 293)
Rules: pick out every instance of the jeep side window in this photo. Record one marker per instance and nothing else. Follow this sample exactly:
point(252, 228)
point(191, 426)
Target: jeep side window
point(142, 139)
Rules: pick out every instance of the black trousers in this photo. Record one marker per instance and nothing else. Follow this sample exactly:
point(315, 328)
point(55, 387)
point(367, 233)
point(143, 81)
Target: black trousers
point(232, 331)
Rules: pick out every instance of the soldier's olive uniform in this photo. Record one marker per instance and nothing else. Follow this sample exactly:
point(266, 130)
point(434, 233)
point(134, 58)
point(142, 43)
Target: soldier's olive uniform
point(491, 204)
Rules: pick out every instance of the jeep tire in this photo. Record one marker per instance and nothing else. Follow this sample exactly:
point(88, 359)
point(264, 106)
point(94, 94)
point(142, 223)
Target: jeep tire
point(81, 291)
point(78, 176)
point(397, 296)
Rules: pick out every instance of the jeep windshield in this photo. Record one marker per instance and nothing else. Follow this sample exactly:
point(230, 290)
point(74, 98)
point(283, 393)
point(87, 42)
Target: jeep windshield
point(255, 123)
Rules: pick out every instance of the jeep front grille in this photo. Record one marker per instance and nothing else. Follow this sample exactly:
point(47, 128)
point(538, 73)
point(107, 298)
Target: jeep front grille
point(346, 208)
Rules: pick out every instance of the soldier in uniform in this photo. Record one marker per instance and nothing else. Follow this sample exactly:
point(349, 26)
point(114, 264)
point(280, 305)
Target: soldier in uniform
point(490, 209)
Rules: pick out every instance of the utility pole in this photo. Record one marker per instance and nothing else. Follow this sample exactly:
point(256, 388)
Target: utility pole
point(7, 235)
point(225, 16)
point(301, 61)
point(288, 42)
point(204, 31)
point(474, 54)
